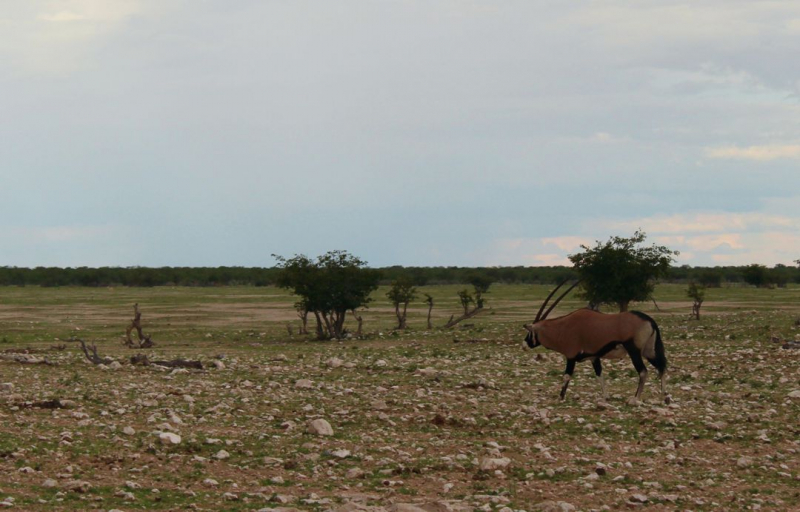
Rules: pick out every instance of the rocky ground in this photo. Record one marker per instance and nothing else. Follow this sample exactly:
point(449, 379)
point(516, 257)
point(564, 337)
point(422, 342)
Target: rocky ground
point(411, 422)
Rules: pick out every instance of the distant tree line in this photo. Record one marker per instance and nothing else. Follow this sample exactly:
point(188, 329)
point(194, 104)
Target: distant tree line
point(756, 275)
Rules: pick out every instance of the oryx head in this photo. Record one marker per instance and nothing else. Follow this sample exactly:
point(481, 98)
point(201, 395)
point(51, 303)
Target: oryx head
point(532, 339)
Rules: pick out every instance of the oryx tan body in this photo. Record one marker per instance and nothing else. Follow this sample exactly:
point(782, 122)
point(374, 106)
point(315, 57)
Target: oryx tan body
point(585, 332)
point(589, 334)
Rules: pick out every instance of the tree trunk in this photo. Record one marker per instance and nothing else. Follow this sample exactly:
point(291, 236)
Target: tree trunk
point(430, 308)
point(136, 323)
point(320, 331)
point(303, 314)
point(623, 306)
point(360, 321)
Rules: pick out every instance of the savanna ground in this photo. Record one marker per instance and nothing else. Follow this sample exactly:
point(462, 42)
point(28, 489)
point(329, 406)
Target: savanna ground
point(415, 415)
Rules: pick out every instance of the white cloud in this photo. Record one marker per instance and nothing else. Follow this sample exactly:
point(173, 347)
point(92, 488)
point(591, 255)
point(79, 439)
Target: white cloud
point(758, 153)
point(567, 243)
point(63, 16)
point(56, 37)
point(707, 223)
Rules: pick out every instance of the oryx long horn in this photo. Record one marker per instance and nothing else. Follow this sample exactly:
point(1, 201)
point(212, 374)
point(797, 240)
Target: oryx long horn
point(559, 299)
point(539, 314)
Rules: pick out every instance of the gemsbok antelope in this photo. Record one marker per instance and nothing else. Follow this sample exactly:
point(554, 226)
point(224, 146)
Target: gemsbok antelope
point(588, 334)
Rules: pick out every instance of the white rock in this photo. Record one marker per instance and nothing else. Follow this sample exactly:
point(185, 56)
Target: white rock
point(128, 431)
point(219, 365)
point(303, 384)
point(491, 464)
point(222, 455)
point(115, 365)
point(355, 473)
point(49, 483)
point(320, 427)
point(795, 394)
point(169, 438)
point(7, 387)
point(341, 454)
point(555, 506)
point(210, 482)
point(380, 363)
point(334, 362)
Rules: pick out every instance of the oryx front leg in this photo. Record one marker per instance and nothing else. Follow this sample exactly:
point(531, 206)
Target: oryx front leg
point(567, 377)
point(598, 370)
point(638, 363)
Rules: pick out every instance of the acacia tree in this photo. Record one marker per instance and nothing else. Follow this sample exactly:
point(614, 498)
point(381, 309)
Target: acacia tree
point(696, 292)
point(329, 287)
point(401, 293)
point(480, 286)
point(620, 271)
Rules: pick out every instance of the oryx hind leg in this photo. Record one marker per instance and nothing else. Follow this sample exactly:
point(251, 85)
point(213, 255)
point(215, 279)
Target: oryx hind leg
point(598, 370)
point(567, 376)
point(638, 363)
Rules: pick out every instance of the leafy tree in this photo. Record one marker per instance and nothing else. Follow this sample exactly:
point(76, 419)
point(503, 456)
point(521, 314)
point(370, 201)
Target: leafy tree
point(401, 293)
point(710, 278)
point(466, 299)
point(481, 284)
point(620, 271)
point(329, 287)
point(696, 292)
point(756, 275)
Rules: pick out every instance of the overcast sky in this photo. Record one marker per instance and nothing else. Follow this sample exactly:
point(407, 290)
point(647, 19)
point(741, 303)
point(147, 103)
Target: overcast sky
point(211, 132)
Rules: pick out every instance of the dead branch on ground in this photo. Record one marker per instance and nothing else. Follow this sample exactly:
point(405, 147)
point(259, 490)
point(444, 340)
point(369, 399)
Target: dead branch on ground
point(93, 357)
point(141, 359)
point(454, 321)
point(25, 359)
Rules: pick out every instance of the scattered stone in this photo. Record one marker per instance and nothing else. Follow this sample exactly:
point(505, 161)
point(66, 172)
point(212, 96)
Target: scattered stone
point(169, 438)
point(128, 431)
point(492, 464)
point(303, 384)
point(355, 473)
point(555, 506)
point(79, 486)
point(320, 427)
point(334, 362)
point(222, 455)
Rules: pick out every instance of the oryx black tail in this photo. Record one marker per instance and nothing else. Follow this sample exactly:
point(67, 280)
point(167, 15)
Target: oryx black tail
point(660, 359)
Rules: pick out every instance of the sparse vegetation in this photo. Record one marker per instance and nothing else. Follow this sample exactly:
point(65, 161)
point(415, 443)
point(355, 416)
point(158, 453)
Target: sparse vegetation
point(414, 415)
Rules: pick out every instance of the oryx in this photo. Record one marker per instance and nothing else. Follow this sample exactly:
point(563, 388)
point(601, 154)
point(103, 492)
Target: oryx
point(588, 334)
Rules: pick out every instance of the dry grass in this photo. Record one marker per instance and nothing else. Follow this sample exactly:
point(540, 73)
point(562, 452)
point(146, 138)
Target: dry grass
point(417, 413)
